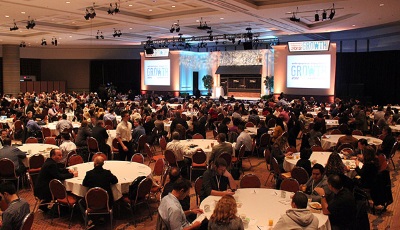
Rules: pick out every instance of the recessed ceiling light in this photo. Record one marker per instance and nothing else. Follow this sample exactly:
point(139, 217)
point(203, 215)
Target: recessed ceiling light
point(130, 5)
point(173, 6)
point(221, 18)
point(130, 28)
point(381, 4)
point(150, 10)
point(23, 12)
point(70, 36)
point(353, 25)
point(73, 22)
point(7, 16)
point(197, 20)
point(59, 38)
point(67, 2)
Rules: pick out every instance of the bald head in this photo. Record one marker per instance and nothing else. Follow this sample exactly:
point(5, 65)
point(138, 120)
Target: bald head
point(98, 161)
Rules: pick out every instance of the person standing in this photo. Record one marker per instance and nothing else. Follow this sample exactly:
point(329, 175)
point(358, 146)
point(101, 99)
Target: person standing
point(18, 208)
point(124, 137)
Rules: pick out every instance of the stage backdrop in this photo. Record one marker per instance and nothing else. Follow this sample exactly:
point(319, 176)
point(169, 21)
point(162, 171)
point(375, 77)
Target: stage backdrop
point(305, 73)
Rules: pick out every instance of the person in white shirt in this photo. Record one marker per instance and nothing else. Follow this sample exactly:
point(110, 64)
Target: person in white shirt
point(63, 124)
point(66, 146)
point(243, 139)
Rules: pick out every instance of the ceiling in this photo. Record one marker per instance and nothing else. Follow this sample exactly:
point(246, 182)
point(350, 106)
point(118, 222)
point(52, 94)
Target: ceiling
point(64, 19)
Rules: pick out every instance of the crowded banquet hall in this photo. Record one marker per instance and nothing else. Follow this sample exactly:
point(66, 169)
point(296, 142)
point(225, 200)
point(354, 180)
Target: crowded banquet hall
point(209, 114)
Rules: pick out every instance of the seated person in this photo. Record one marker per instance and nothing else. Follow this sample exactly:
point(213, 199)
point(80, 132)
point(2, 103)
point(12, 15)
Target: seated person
point(221, 147)
point(18, 208)
point(358, 153)
point(298, 217)
point(216, 180)
point(342, 207)
point(170, 209)
point(14, 154)
point(176, 147)
point(225, 216)
point(369, 171)
point(388, 141)
point(304, 160)
point(317, 180)
point(347, 138)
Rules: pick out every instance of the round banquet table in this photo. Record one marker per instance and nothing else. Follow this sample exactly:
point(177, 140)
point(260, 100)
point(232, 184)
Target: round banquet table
point(330, 123)
point(331, 140)
point(53, 127)
point(204, 144)
point(125, 171)
point(320, 158)
point(8, 121)
point(395, 128)
point(36, 148)
point(260, 205)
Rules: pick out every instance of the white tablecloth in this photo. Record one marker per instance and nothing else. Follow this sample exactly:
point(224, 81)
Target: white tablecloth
point(321, 158)
point(260, 205)
point(32, 149)
point(331, 140)
point(8, 121)
point(331, 123)
point(190, 114)
point(125, 171)
point(111, 135)
point(395, 128)
point(53, 127)
point(204, 144)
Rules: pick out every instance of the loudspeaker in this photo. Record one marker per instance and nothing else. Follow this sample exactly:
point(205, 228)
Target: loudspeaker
point(247, 45)
point(149, 50)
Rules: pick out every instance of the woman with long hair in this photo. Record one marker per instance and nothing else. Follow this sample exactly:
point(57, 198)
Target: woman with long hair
point(335, 165)
point(225, 215)
point(369, 171)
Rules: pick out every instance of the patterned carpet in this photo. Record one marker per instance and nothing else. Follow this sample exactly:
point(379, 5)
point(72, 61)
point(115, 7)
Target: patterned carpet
point(123, 218)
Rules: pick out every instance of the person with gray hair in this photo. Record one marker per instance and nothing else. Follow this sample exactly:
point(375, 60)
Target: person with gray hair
point(178, 149)
point(221, 147)
point(298, 217)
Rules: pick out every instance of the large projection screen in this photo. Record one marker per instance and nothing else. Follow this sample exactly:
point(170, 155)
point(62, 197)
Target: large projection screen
point(308, 71)
point(313, 72)
point(157, 72)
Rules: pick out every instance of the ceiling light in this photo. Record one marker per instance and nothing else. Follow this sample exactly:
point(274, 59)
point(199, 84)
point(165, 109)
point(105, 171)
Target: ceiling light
point(175, 27)
point(221, 18)
point(68, 2)
point(381, 4)
point(173, 6)
point(150, 10)
point(23, 12)
point(99, 35)
point(15, 27)
point(130, 5)
point(112, 10)
point(324, 15)
point(316, 16)
point(30, 23)
point(90, 13)
point(130, 28)
point(7, 16)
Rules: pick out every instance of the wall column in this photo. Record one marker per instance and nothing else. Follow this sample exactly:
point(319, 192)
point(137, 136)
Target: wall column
point(11, 69)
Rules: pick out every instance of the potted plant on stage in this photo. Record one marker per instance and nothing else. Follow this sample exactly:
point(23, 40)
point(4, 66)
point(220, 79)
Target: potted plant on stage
point(269, 85)
point(208, 82)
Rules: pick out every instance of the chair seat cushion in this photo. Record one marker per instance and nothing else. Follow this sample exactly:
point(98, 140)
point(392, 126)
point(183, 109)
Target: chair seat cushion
point(31, 171)
point(286, 175)
point(195, 165)
point(69, 199)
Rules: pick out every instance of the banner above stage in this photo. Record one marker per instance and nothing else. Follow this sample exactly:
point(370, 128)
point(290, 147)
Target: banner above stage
point(309, 46)
point(239, 69)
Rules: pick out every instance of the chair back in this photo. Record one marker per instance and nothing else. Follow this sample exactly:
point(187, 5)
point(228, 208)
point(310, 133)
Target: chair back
point(163, 143)
point(159, 167)
point(7, 168)
point(138, 158)
point(97, 200)
point(275, 166)
point(197, 136)
point(199, 157)
point(75, 159)
point(18, 125)
point(346, 151)
point(343, 128)
point(227, 157)
point(267, 156)
point(50, 140)
point(115, 144)
point(291, 149)
point(265, 140)
point(142, 142)
point(215, 133)
point(31, 140)
point(46, 132)
point(57, 189)
point(232, 136)
point(249, 124)
point(250, 181)
point(197, 187)
point(395, 147)
point(109, 122)
point(242, 151)
point(271, 123)
point(104, 156)
point(345, 145)
point(290, 185)
point(92, 144)
point(148, 151)
point(317, 148)
point(143, 189)
point(70, 153)
point(28, 221)
point(376, 130)
point(357, 132)
point(300, 174)
point(336, 131)
point(36, 161)
point(171, 158)
point(220, 117)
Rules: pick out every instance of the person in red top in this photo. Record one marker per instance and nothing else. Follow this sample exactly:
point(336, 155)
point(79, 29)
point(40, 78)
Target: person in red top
point(213, 112)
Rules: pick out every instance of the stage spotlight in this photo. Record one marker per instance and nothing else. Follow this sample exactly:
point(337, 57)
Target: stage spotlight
point(90, 13)
point(30, 23)
point(54, 41)
point(22, 44)
point(44, 43)
point(117, 33)
point(178, 29)
point(294, 19)
point(116, 10)
point(324, 15)
point(87, 15)
point(316, 17)
point(172, 29)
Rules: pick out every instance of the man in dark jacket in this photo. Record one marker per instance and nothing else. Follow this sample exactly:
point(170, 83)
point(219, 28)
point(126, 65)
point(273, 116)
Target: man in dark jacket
point(99, 177)
point(100, 134)
point(51, 171)
point(178, 120)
